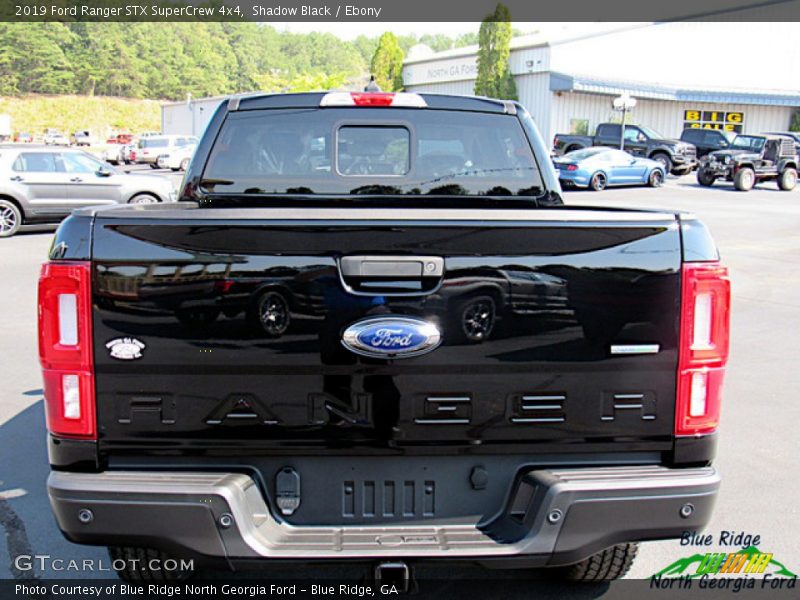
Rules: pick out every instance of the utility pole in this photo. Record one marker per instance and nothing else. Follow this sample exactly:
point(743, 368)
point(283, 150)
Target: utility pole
point(190, 105)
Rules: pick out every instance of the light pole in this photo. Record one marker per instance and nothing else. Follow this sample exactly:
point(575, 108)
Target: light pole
point(190, 106)
point(623, 103)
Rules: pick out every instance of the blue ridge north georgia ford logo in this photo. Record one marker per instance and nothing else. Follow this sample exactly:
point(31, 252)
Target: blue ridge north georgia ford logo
point(391, 337)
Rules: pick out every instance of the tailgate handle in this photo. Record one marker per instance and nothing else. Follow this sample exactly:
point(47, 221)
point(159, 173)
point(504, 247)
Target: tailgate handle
point(381, 275)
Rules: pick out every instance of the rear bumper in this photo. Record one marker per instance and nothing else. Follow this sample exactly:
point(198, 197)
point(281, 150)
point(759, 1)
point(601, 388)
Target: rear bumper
point(576, 178)
point(560, 516)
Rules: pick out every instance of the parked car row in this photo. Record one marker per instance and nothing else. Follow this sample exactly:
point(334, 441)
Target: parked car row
point(676, 156)
point(40, 184)
point(744, 160)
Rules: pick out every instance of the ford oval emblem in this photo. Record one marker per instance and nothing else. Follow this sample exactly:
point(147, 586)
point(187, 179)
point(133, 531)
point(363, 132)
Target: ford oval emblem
point(391, 337)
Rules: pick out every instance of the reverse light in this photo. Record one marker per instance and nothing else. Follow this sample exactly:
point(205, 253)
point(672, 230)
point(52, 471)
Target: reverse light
point(65, 348)
point(704, 343)
point(395, 99)
point(698, 394)
point(70, 388)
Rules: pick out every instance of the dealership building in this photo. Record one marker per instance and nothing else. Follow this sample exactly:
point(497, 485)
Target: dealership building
point(741, 77)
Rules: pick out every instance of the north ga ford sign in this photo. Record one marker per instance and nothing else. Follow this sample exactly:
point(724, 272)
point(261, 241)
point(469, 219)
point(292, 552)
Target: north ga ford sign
point(464, 69)
point(455, 69)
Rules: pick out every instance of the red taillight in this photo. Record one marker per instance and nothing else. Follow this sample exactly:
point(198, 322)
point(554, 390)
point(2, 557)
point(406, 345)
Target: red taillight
point(224, 286)
point(65, 348)
point(704, 341)
point(372, 98)
point(572, 167)
point(555, 141)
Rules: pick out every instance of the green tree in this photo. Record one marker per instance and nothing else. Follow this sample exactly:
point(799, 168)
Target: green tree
point(366, 47)
point(494, 38)
point(437, 42)
point(387, 64)
point(32, 58)
point(466, 39)
point(795, 124)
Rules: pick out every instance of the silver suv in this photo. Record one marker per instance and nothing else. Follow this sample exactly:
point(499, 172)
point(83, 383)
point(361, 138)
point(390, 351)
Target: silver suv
point(44, 184)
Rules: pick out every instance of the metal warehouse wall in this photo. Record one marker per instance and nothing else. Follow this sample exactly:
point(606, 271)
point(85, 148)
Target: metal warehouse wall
point(178, 118)
point(663, 116)
point(534, 94)
point(533, 91)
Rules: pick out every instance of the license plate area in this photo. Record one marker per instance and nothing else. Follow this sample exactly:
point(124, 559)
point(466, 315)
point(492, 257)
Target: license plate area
point(375, 490)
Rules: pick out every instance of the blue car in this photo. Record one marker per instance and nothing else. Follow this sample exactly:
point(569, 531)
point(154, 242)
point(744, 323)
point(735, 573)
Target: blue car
point(598, 167)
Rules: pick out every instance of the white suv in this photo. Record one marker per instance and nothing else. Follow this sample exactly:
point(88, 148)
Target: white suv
point(150, 148)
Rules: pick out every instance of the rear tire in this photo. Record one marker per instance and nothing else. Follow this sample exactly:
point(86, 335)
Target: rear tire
point(744, 180)
point(273, 314)
point(474, 319)
point(153, 165)
point(146, 564)
point(704, 178)
point(787, 180)
point(143, 199)
point(611, 563)
point(598, 182)
point(656, 178)
point(10, 218)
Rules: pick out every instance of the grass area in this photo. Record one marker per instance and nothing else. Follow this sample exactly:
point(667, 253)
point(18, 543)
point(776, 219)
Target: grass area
point(101, 115)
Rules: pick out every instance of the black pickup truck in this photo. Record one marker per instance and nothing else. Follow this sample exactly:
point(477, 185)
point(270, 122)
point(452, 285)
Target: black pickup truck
point(371, 332)
point(678, 157)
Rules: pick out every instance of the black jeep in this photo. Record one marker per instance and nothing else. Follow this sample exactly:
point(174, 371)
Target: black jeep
point(750, 159)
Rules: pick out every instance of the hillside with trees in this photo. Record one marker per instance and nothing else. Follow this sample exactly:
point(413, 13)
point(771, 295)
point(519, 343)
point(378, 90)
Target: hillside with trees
point(168, 61)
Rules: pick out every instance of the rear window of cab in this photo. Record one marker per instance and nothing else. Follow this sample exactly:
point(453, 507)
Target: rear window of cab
point(371, 151)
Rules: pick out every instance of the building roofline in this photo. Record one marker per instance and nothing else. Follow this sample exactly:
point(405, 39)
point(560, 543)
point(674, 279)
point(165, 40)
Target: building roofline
point(562, 82)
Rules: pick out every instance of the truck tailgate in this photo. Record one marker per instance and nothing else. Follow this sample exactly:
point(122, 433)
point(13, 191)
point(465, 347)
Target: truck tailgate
point(221, 329)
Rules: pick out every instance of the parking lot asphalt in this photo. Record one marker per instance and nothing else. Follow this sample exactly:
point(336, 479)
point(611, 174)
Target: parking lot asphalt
point(758, 234)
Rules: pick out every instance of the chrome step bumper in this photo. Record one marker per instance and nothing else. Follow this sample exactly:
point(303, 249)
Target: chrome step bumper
point(561, 514)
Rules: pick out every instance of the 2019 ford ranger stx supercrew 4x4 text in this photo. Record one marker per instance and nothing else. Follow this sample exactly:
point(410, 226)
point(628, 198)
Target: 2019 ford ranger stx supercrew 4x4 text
point(370, 331)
